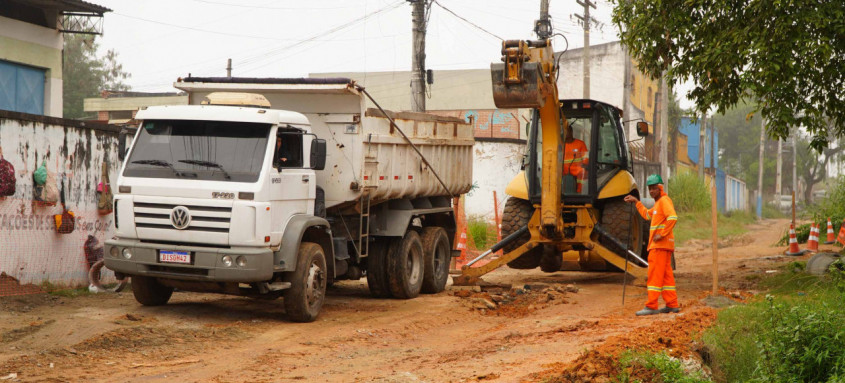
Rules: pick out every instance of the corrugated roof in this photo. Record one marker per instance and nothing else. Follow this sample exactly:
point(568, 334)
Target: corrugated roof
point(66, 5)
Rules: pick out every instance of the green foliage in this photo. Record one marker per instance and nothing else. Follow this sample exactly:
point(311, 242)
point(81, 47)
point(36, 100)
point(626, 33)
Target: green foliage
point(787, 54)
point(654, 367)
point(833, 206)
point(802, 234)
point(688, 193)
point(85, 75)
point(479, 230)
point(698, 225)
point(771, 211)
point(794, 335)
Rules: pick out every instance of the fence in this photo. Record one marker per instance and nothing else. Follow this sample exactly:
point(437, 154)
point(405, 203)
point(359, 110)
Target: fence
point(735, 195)
point(31, 252)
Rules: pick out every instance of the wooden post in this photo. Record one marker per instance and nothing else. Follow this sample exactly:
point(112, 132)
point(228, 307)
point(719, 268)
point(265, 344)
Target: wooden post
point(498, 220)
point(713, 210)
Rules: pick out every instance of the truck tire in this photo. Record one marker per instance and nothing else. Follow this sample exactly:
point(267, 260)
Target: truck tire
point(405, 266)
point(819, 264)
point(149, 292)
point(517, 213)
point(436, 257)
point(377, 267)
point(617, 218)
point(304, 298)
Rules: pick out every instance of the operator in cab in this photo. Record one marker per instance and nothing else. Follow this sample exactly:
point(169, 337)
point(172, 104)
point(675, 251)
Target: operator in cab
point(661, 247)
point(575, 157)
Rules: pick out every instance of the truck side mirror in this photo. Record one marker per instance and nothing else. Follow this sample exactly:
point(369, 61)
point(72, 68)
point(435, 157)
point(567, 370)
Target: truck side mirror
point(318, 154)
point(642, 129)
point(121, 145)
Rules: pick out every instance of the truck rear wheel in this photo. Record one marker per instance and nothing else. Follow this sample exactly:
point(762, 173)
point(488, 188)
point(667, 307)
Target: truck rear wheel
point(436, 256)
point(622, 221)
point(307, 292)
point(517, 213)
point(377, 267)
point(405, 265)
point(149, 292)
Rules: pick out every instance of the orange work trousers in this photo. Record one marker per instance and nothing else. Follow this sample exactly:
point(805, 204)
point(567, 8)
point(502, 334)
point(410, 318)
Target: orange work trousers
point(661, 280)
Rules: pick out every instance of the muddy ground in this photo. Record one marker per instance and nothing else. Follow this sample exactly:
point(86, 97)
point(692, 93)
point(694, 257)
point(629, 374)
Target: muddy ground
point(560, 328)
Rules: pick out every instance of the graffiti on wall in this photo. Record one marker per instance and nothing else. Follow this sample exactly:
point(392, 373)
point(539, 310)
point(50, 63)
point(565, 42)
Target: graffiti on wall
point(69, 159)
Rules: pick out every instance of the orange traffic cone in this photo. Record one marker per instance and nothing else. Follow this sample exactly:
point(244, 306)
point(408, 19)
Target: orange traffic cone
point(830, 236)
point(841, 237)
point(793, 243)
point(813, 241)
point(462, 246)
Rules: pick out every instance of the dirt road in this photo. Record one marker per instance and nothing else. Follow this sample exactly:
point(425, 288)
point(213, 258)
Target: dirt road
point(434, 338)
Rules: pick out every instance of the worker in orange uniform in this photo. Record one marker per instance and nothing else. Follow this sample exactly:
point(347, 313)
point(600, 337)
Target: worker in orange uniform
point(661, 246)
point(575, 158)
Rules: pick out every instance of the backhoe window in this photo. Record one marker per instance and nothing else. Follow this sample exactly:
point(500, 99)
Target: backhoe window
point(609, 150)
point(576, 156)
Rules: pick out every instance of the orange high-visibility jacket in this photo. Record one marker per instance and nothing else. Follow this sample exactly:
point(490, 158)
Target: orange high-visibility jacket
point(574, 157)
point(663, 219)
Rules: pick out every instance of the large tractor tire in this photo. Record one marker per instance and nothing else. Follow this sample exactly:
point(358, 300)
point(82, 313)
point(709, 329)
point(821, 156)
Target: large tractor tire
point(405, 266)
point(516, 215)
point(622, 221)
point(437, 255)
point(149, 292)
point(819, 264)
point(377, 279)
point(304, 299)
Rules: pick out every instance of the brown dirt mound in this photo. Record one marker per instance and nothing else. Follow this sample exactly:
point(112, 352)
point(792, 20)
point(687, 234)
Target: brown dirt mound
point(675, 337)
point(10, 286)
point(517, 302)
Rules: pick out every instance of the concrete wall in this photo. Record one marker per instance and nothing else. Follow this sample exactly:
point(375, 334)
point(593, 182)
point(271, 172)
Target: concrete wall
point(30, 249)
point(36, 46)
point(494, 166)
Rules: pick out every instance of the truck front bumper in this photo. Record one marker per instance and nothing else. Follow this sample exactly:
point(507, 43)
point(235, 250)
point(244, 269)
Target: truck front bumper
point(206, 263)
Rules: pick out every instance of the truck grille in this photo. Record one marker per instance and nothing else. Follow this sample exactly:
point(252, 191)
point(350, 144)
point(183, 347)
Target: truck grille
point(203, 218)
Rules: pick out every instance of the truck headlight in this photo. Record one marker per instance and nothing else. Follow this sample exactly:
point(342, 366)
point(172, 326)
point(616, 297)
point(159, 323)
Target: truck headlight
point(227, 260)
point(127, 253)
point(241, 261)
point(113, 251)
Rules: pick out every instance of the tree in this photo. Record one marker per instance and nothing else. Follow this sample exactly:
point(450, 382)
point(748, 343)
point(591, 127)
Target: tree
point(788, 54)
point(85, 75)
point(812, 166)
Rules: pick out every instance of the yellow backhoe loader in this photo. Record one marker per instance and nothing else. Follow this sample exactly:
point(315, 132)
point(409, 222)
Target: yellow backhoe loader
point(565, 211)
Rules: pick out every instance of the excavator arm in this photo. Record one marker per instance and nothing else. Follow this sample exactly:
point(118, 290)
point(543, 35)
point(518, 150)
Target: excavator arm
point(527, 79)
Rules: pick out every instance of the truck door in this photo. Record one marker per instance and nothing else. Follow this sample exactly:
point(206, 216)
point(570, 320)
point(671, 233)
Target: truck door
point(292, 186)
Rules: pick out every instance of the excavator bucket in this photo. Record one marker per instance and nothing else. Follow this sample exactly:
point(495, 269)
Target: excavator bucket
point(517, 86)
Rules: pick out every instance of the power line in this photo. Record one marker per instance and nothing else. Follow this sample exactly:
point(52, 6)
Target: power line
point(263, 7)
point(200, 29)
point(467, 21)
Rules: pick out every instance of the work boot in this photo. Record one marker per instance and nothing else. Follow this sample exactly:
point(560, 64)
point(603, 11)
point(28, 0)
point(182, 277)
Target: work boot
point(670, 310)
point(647, 311)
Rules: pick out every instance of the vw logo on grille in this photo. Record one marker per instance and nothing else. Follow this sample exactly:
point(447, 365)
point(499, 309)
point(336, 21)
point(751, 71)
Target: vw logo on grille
point(180, 217)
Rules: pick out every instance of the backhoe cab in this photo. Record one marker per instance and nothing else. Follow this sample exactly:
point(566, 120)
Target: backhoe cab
point(565, 210)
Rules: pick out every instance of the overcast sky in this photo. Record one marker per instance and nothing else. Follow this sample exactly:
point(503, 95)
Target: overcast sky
point(160, 40)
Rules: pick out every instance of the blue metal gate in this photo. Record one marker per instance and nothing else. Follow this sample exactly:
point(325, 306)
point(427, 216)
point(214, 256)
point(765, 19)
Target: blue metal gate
point(21, 88)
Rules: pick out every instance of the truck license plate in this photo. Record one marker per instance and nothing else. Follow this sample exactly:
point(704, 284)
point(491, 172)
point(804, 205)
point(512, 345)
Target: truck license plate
point(166, 256)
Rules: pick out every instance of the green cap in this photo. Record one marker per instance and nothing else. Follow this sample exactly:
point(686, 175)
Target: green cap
point(654, 179)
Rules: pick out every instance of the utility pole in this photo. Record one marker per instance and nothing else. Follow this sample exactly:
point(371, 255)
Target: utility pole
point(418, 55)
point(794, 163)
point(229, 69)
point(701, 146)
point(586, 20)
point(543, 25)
point(664, 126)
point(760, 170)
point(713, 158)
point(779, 175)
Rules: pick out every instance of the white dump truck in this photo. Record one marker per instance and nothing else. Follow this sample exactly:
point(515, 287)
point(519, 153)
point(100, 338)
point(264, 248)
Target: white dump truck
point(279, 187)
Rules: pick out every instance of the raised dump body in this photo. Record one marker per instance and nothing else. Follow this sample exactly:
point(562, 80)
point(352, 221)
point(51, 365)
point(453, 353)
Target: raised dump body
point(363, 150)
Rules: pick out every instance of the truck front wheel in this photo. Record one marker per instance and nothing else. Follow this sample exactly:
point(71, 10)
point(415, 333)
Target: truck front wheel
point(405, 265)
point(304, 299)
point(149, 292)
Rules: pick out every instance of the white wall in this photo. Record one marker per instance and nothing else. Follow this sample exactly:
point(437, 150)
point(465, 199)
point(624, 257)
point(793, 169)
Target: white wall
point(30, 249)
point(494, 166)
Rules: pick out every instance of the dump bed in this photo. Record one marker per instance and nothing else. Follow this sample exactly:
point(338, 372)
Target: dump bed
point(363, 149)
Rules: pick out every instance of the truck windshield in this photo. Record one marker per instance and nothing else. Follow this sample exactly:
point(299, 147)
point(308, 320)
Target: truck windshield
point(201, 150)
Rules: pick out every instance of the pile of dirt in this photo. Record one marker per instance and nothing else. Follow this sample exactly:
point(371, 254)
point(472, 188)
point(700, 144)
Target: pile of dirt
point(675, 337)
point(516, 302)
point(143, 337)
